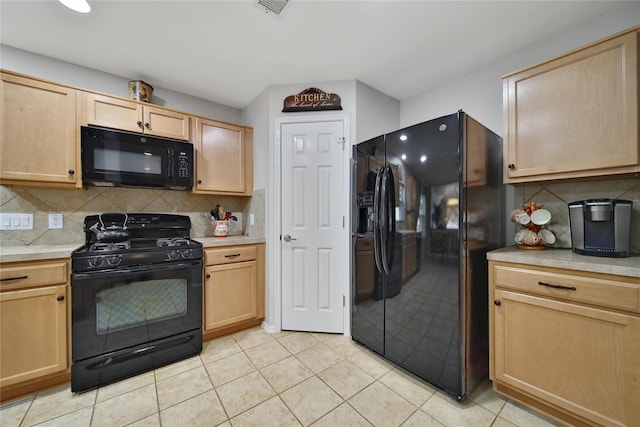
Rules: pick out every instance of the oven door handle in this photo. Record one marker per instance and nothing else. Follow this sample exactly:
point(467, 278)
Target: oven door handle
point(137, 269)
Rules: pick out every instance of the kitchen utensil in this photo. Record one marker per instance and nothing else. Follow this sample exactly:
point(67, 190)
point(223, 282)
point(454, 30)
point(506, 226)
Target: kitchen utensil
point(220, 228)
point(112, 233)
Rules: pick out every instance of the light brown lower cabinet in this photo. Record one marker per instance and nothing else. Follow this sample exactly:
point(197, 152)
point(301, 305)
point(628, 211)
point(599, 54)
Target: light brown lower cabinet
point(567, 342)
point(233, 289)
point(34, 326)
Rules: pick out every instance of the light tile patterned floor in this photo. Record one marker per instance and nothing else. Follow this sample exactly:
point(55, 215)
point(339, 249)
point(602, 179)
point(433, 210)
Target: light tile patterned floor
point(253, 378)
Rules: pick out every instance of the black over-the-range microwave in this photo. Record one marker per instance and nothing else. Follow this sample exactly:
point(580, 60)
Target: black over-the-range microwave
point(115, 158)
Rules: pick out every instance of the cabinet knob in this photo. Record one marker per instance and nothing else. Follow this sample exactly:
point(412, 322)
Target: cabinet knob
point(139, 123)
point(511, 166)
point(60, 298)
point(199, 181)
point(208, 276)
point(147, 125)
point(71, 172)
point(497, 302)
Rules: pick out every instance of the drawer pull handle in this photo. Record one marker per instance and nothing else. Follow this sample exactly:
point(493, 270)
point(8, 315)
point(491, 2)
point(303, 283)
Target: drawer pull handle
point(232, 256)
point(570, 288)
point(13, 278)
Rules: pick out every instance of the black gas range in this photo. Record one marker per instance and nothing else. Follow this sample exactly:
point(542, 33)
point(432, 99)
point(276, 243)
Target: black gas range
point(136, 289)
point(153, 239)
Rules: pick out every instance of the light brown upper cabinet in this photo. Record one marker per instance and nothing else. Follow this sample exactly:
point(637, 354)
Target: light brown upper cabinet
point(38, 133)
point(224, 158)
point(576, 115)
point(135, 116)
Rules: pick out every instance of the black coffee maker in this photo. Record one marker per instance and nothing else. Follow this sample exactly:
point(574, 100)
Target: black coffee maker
point(600, 227)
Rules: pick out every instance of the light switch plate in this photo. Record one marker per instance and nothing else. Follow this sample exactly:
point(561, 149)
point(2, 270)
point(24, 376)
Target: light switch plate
point(16, 221)
point(56, 221)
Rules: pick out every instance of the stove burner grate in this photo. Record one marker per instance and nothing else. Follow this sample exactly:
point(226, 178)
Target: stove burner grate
point(111, 246)
point(172, 241)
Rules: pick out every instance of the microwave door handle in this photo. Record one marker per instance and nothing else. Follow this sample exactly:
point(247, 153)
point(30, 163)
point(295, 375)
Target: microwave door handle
point(170, 171)
point(376, 222)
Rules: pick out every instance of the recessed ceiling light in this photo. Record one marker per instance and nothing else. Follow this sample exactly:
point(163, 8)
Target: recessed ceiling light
point(78, 5)
point(404, 157)
point(403, 137)
point(423, 158)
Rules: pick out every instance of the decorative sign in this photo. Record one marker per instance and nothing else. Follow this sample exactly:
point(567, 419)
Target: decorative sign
point(312, 99)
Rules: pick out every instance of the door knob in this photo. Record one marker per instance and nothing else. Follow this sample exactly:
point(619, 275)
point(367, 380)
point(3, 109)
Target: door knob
point(288, 238)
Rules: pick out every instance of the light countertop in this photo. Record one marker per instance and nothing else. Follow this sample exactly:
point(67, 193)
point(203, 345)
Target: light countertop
point(40, 252)
point(566, 258)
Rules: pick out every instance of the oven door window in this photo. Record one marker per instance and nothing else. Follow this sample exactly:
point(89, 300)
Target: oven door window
point(140, 303)
point(113, 310)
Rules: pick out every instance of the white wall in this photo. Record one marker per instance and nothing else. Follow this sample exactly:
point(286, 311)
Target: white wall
point(62, 72)
point(376, 113)
point(479, 93)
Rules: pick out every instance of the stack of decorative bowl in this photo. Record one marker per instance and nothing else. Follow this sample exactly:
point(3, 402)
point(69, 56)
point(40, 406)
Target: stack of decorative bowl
point(532, 233)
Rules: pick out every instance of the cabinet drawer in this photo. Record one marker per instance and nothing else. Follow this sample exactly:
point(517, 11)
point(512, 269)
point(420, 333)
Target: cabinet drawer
point(27, 275)
point(229, 254)
point(598, 289)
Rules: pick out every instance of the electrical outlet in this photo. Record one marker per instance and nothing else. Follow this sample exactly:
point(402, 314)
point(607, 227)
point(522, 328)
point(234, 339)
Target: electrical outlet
point(56, 221)
point(16, 221)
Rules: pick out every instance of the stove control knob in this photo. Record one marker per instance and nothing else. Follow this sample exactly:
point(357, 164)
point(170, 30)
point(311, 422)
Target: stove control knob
point(186, 253)
point(96, 261)
point(173, 254)
point(114, 259)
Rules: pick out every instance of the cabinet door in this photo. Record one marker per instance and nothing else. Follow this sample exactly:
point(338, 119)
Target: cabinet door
point(166, 123)
point(34, 333)
point(132, 116)
point(580, 359)
point(38, 132)
point(574, 116)
point(114, 113)
point(230, 294)
point(224, 159)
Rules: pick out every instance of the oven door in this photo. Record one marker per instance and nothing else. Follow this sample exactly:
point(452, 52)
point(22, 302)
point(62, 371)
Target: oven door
point(113, 310)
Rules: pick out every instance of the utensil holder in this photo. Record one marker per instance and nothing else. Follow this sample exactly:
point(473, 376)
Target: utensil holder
point(220, 228)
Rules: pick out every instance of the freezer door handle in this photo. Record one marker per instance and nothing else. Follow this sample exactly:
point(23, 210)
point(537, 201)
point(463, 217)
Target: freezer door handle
point(388, 220)
point(377, 238)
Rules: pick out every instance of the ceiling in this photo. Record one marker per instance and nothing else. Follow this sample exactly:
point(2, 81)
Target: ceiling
point(230, 51)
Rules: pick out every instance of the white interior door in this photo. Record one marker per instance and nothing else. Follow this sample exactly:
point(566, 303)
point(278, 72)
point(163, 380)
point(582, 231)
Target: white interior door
point(313, 222)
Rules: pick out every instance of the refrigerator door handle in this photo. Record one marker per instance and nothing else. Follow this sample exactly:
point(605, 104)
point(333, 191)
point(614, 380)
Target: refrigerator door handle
point(383, 221)
point(377, 238)
point(389, 223)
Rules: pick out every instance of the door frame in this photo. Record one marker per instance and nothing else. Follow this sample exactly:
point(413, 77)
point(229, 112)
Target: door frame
point(275, 226)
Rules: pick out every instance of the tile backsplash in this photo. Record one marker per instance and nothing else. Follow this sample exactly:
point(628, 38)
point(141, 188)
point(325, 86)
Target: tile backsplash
point(556, 196)
point(75, 205)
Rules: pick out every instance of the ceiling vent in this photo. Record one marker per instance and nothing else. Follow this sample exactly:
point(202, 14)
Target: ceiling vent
point(274, 6)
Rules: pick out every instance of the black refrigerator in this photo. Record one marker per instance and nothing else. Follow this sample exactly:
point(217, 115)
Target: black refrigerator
point(428, 204)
